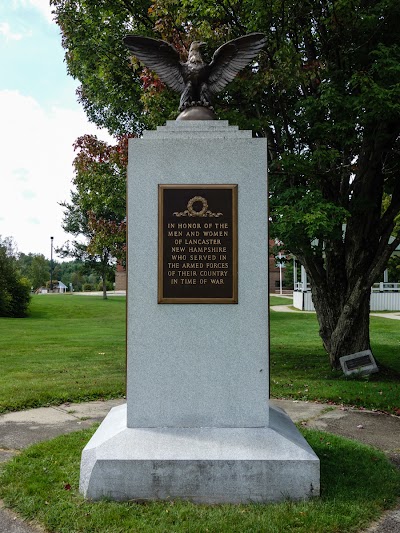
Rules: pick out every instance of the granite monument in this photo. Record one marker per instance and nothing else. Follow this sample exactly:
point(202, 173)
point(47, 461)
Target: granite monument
point(198, 424)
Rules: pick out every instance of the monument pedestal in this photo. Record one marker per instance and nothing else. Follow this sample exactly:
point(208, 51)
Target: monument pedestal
point(202, 465)
point(197, 425)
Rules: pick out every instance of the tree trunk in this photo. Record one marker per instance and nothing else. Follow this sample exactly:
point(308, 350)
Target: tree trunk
point(341, 274)
point(344, 324)
point(104, 281)
point(104, 265)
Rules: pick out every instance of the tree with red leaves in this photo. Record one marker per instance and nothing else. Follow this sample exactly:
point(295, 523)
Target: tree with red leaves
point(95, 215)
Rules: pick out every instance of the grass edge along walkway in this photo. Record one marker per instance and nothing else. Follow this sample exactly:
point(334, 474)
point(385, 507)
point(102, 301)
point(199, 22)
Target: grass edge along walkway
point(72, 349)
point(358, 483)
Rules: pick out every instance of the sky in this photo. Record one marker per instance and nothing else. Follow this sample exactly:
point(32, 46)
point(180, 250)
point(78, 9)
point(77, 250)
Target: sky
point(40, 119)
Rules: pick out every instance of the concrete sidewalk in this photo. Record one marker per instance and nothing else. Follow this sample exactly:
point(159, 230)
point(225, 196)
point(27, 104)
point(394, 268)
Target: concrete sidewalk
point(395, 315)
point(21, 429)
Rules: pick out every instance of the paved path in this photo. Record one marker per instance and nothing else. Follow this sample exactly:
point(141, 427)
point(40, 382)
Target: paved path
point(289, 309)
point(21, 429)
point(395, 315)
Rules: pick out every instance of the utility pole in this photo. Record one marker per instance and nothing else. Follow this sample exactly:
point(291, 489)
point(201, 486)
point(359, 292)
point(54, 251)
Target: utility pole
point(51, 264)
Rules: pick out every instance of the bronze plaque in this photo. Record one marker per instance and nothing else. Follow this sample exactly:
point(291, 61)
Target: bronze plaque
point(197, 244)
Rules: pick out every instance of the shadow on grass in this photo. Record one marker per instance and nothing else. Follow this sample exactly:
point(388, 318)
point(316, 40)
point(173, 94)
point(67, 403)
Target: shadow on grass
point(357, 483)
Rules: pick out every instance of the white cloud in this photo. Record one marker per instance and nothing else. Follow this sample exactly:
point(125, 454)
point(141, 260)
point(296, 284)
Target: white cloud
point(36, 169)
point(41, 5)
point(5, 31)
point(28, 194)
point(44, 7)
point(33, 220)
point(21, 174)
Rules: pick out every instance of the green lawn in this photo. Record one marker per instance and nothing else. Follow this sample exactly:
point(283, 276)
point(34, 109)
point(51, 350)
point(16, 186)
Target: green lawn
point(300, 367)
point(72, 348)
point(69, 348)
point(277, 300)
point(357, 483)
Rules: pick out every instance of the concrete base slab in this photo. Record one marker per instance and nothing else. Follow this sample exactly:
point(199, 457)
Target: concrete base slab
point(202, 465)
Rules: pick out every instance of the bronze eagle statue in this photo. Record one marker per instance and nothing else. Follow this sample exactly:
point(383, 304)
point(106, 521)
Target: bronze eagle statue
point(195, 80)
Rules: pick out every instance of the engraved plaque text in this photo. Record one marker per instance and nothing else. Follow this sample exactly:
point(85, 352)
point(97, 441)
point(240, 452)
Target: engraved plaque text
point(197, 244)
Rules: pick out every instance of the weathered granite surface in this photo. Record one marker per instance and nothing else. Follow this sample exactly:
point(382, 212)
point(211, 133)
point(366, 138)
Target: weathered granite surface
point(202, 465)
point(197, 365)
point(197, 424)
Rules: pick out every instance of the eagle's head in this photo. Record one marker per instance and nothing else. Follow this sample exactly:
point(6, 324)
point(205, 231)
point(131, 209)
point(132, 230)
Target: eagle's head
point(194, 52)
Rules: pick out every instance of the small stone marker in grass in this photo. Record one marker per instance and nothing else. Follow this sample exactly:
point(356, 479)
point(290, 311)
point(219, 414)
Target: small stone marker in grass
point(361, 363)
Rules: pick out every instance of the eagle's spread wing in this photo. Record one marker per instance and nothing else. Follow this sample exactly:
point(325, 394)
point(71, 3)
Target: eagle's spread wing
point(160, 57)
point(231, 58)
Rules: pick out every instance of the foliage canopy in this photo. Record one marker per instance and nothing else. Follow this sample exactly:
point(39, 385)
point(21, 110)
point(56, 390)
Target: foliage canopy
point(326, 95)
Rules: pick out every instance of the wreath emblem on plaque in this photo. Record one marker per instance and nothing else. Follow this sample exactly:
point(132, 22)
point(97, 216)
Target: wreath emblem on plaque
point(203, 210)
point(191, 211)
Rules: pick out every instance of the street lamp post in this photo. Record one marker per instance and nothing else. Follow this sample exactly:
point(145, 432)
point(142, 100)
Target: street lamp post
point(51, 264)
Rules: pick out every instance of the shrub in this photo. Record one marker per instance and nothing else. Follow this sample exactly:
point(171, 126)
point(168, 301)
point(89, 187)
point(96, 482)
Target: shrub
point(14, 290)
point(109, 286)
point(21, 297)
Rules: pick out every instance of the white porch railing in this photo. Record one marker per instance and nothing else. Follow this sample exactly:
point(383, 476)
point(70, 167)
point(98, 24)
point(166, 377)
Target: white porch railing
point(384, 297)
point(303, 287)
point(385, 287)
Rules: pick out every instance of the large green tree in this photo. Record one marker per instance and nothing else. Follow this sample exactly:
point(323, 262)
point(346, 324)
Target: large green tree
point(95, 215)
point(39, 271)
point(326, 95)
point(111, 87)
